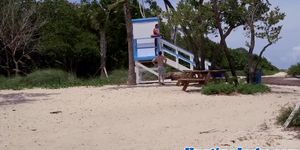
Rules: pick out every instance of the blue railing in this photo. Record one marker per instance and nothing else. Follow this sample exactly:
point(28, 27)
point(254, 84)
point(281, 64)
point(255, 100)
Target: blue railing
point(145, 49)
point(143, 46)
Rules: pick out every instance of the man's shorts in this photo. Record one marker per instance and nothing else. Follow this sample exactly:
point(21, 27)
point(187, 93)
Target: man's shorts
point(161, 70)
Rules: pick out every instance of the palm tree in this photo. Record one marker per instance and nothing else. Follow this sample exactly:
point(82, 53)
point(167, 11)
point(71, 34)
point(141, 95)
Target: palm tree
point(129, 29)
point(99, 17)
point(168, 5)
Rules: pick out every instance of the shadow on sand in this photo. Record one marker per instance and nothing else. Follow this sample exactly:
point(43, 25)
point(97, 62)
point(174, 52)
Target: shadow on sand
point(19, 98)
point(193, 88)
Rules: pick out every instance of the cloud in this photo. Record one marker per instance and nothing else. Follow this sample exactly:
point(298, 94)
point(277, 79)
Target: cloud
point(295, 54)
point(296, 49)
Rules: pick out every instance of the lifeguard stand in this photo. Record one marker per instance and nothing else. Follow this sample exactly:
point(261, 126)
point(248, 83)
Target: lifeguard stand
point(145, 49)
point(144, 45)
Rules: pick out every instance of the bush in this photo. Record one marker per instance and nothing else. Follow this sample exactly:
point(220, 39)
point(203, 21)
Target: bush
point(115, 77)
point(53, 78)
point(294, 70)
point(49, 78)
point(220, 88)
point(252, 88)
point(285, 112)
point(227, 88)
point(13, 83)
point(269, 72)
point(118, 77)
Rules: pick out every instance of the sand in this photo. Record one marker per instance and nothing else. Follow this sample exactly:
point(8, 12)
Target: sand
point(279, 74)
point(147, 117)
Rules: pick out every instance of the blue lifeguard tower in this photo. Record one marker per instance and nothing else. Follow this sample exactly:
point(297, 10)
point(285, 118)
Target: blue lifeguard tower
point(145, 49)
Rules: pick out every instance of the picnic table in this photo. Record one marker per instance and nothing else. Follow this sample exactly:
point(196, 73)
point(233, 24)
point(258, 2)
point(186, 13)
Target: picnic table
point(200, 77)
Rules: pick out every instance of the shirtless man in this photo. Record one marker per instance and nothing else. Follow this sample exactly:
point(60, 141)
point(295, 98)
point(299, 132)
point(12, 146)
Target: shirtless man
point(160, 60)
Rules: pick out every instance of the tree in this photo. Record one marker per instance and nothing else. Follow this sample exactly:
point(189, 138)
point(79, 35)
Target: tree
point(261, 22)
point(129, 29)
point(66, 40)
point(99, 20)
point(190, 17)
point(228, 15)
point(19, 27)
point(154, 9)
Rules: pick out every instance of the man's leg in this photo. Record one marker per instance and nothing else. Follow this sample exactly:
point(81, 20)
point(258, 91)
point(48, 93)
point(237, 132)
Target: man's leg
point(156, 46)
point(159, 81)
point(163, 75)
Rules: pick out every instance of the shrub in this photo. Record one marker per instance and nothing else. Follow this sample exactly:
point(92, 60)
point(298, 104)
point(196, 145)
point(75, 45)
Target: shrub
point(285, 112)
point(269, 72)
point(252, 88)
point(53, 78)
point(11, 83)
point(118, 76)
point(219, 88)
point(294, 70)
point(115, 77)
point(49, 78)
point(226, 88)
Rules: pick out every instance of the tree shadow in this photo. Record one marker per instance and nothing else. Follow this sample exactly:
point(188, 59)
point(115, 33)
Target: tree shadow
point(19, 98)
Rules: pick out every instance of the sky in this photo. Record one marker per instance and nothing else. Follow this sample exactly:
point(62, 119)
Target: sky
point(286, 51)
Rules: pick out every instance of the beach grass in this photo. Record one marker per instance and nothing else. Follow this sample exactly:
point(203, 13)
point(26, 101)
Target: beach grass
point(285, 112)
point(55, 78)
point(227, 89)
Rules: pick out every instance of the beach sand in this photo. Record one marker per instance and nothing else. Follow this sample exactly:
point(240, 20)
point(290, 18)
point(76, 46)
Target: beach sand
point(147, 117)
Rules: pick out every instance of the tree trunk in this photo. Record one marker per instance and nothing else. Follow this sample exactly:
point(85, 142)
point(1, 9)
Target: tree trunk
point(251, 68)
point(196, 59)
point(202, 53)
point(229, 59)
point(223, 37)
point(7, 63)
point(103, 50)
point(16, 67)
point(129, 29)
point(201, 38)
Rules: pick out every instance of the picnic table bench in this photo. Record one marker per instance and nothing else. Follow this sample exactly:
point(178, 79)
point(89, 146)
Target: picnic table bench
point(200, 77)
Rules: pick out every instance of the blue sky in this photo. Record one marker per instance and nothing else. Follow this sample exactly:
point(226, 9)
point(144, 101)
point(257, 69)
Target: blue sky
point(286, 51)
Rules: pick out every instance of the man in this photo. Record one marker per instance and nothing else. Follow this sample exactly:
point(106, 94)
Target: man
point(160, 60)
point(156, 34)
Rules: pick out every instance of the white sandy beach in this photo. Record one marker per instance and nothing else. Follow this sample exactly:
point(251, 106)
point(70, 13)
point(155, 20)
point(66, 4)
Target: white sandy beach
point(148, 117)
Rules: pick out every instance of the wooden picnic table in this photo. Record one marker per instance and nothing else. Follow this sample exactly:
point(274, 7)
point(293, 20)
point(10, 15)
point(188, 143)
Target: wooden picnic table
point(201, 77)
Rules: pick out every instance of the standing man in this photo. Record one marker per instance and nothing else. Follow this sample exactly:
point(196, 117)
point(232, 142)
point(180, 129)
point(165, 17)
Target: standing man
point(156, 34)
point(160, 60)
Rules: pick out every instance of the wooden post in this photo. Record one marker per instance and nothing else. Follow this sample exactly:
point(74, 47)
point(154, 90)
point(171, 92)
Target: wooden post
point(105, 71)
point(137, 71)
point(292, 115)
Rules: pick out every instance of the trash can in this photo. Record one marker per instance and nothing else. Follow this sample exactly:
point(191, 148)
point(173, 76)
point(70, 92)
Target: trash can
point(258, 75)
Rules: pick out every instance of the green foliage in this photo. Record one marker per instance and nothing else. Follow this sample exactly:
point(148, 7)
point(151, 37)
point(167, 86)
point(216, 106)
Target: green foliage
point(13, 83)
point(54, 78)
point(219, 88)
point(285, 112)
point(269, 72)
point(240, 56)
point(227, 88)
point(252, 88)
point(69, 36)
point(294, 70)
point(48, 78)
point(65, 42)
